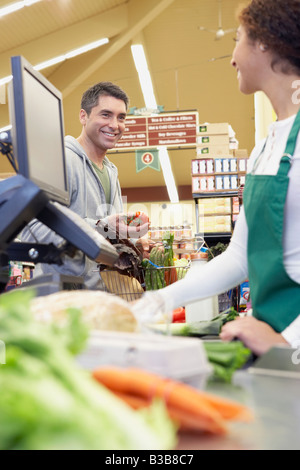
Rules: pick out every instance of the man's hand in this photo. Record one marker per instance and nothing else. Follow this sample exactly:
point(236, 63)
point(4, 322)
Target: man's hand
point(138, 224)
point(127, 225)
point(256, 335)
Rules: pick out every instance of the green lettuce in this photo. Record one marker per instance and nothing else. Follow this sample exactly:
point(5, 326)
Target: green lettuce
point(47, 402)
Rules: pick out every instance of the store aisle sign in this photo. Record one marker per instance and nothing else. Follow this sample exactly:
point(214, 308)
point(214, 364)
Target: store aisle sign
point(147, 159)
point(168, 130)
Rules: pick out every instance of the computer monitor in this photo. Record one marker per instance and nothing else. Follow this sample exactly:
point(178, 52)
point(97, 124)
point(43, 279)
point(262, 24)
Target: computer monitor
point(36, 115)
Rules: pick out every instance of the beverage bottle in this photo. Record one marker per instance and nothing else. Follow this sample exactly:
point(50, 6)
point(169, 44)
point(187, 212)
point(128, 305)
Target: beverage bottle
point(206, 309)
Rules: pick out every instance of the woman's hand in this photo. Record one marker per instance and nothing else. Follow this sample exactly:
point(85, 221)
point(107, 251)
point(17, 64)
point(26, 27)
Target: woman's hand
point(256, 335)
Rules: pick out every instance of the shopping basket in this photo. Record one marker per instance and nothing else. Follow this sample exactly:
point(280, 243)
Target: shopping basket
point(131, 285)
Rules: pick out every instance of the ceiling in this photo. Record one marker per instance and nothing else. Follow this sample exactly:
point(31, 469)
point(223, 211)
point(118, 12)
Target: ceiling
point(190, 69)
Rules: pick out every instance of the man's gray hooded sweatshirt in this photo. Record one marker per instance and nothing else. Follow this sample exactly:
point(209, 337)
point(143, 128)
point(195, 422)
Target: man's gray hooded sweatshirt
point(87, 199)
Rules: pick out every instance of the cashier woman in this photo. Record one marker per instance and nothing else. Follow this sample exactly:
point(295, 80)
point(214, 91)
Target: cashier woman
point(265, 246)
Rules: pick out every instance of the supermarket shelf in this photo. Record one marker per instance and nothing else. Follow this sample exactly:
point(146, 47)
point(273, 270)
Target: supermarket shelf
point(213, 239)
point(212, 194)
point(220, 173)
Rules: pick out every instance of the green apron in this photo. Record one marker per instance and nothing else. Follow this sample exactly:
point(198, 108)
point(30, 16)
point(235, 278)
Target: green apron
point(275, 296)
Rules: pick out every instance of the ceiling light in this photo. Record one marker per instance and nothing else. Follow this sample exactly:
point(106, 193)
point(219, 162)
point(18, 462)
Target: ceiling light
point(50, 62)
point(16, 6)
point(71, 54)
point(61, 58)
point(141, 65)
point(168, 174)
point(144, 75)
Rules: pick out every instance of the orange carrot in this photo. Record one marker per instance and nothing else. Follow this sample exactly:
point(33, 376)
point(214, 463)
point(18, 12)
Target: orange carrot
point(176, 395)
point(173, 275)
point(184, 421)
point(144, 384)
point(133, 401)
point(167, 277)
point(229, 410)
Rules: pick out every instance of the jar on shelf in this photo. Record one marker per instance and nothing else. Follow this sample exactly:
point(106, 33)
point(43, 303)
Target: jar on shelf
point(178, 232)
point(187, 231)
point(154, 233)
point(163, 231)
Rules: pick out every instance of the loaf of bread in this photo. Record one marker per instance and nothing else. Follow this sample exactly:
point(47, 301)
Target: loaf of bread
point(100, 310)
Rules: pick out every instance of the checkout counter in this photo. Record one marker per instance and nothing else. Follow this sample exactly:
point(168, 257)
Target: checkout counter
point(270, 387)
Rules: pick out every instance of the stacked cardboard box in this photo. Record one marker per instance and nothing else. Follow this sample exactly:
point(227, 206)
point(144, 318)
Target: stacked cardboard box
point(216, 139)
point(217, 214)
point(220, 165)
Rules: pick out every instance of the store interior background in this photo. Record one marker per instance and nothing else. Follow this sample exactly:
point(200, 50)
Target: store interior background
point(190, 70)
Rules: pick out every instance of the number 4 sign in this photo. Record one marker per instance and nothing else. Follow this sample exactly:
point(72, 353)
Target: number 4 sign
point(147, 159)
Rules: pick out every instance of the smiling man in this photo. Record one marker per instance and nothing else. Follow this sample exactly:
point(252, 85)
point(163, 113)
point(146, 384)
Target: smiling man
point(95, 193)
point(102, 115)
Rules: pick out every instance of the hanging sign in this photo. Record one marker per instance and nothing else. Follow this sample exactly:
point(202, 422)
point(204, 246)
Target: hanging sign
point(147, 159)
point(168, 130)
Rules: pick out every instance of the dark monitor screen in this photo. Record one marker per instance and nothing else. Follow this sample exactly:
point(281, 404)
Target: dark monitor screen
point(36, 115)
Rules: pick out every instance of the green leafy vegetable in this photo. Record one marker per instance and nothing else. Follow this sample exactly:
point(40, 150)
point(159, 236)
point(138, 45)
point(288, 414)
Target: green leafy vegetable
point(48, 402)
point(200, 328)
point(216, 250)
point(226, 358)
point(181, 267)
point(168, 240)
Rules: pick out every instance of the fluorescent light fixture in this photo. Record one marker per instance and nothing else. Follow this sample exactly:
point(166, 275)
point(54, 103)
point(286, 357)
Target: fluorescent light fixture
point(87, 47)
point(11, 8)
point(50, 62)
point(63, 57)
point(141, 65)
point(168, 174)
point(71, 54)
point(144, 75)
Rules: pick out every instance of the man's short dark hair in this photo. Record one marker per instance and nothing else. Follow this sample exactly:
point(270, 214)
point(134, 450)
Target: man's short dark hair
point(90, 98)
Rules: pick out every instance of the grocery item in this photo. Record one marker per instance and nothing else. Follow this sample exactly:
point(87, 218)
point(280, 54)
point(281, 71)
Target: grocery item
point(178, 315)
point(136, 219)
point(198, 328)
point(47, 402)
point(226, 358)
point(100, 310)
point(182, 359)
point(206, 309)
point(182, 266)
point(161, 269)
point(191, 409)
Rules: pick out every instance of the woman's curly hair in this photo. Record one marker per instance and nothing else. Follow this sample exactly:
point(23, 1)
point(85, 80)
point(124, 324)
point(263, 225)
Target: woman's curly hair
point(276, 24)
